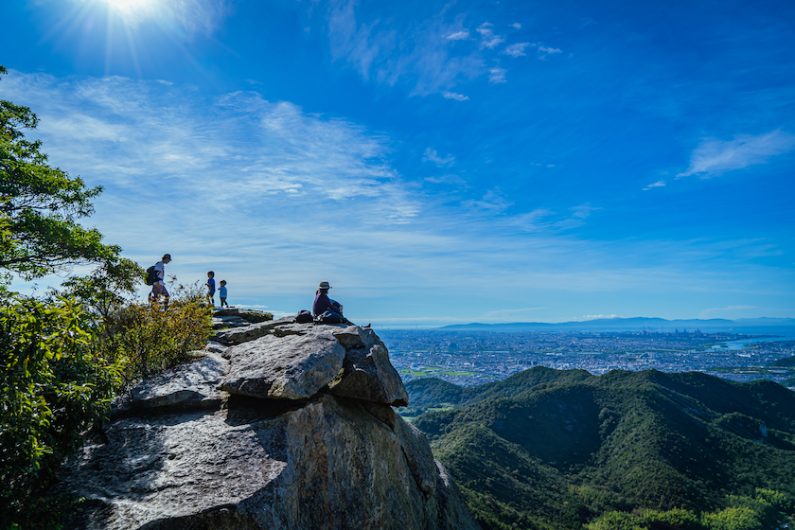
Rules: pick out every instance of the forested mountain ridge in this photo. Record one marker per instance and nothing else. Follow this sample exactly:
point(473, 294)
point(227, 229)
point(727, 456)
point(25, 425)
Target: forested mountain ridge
point(558, 449)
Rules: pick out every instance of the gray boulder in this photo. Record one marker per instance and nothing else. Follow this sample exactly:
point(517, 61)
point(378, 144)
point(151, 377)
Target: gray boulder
point(367, 373)
point(289, 367)
point(251, 316)
point(327, 465)
point(224, 322)
point(284, 446)
point(231, 337)
point(191, 385)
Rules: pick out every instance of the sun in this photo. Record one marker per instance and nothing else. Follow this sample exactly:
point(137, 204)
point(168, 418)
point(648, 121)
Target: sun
point(133, 9)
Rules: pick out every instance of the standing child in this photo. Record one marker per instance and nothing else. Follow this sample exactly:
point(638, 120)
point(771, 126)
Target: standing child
point(222, 293)
point(211, 287)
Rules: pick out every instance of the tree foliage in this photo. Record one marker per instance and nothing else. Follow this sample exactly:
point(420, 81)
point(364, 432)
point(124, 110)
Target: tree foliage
point(560, 448)
point(40, 205)
point(766, 510)
point(55, 382)
point(108, 288)
point(64, 357)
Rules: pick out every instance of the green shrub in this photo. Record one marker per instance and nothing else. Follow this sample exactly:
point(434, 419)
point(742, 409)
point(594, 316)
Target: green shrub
point(61, 367)
point(149, 339)
point(734, 518)
point(55, 383)
point(617, 521)
point(766, 510)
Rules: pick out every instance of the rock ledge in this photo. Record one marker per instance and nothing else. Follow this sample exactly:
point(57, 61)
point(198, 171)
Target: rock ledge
point(286, 426)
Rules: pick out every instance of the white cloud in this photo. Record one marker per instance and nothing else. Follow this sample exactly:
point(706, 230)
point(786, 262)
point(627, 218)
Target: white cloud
point(549, 221)
point(421, 54)
point(486, 29)
point(492, 42)
point(497, 75)
point(275, 198)
point(455, 96)
point(432, 155)
point(458, 35)
point(452, 180)
point(517, 50)
point(546, 51)
point(493, 201)
point(600, 316)
point(532, 221)
point(239, 153)
point(714, 157)
point(655, 185)
point(583, 211)
point(489, 39)
point(418, 55)
point(520, 49)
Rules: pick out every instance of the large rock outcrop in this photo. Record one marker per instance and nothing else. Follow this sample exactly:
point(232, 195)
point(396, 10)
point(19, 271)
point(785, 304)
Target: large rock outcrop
point(292, 429)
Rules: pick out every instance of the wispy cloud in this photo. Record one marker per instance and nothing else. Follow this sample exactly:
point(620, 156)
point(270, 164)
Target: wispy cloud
point(517, 50)
point(492, 42)
point(497, 75)
point(433, 156)
point(458, 35)
point(455, 96)
point(550, 221)
point(433, 54)
point(382, 53)
point(452, 180)
point(493, 201)
point(275, 198)
point(486, 29)
point(715, 157)
point(655, 185)
point(520, 49)
point(546, 51)
point(600, 316)
point(532, 221)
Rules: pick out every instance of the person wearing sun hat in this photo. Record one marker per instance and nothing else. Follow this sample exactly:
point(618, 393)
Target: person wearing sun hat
point(323, 303)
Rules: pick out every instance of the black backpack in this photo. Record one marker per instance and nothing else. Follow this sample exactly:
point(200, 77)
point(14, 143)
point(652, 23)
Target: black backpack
point(303, 317)
point(151, 276)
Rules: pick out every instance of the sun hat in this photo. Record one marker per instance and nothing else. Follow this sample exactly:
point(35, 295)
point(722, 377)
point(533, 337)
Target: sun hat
point(324, 285)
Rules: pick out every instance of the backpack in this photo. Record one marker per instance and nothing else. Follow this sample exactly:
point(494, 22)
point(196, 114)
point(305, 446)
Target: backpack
point(151, 276)
point(303, 317)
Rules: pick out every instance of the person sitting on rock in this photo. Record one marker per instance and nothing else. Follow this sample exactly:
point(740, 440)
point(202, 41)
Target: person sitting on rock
point(324, 309)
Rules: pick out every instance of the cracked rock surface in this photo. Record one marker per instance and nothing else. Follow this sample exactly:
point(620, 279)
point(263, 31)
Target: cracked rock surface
point(289, 427)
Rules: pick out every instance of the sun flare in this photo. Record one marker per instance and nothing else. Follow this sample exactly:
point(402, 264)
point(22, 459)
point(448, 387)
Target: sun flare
point(133, 9)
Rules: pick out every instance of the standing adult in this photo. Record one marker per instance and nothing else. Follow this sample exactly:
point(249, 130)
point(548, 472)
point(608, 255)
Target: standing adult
point(159, 287)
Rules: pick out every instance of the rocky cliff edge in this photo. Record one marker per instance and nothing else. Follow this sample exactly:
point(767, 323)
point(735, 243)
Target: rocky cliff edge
point(276, 425)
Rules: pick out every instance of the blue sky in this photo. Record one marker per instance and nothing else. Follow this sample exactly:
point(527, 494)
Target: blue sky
point(436, 162)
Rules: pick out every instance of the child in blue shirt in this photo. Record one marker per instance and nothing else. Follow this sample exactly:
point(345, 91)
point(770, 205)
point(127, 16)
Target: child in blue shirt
point(211, 287)
point(222, 293)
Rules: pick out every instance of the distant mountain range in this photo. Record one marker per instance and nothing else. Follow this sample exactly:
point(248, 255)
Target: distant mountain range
point(548, 449)
point(743, 325)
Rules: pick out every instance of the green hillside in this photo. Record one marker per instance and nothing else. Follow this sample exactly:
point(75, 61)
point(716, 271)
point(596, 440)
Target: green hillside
point(559, 449)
